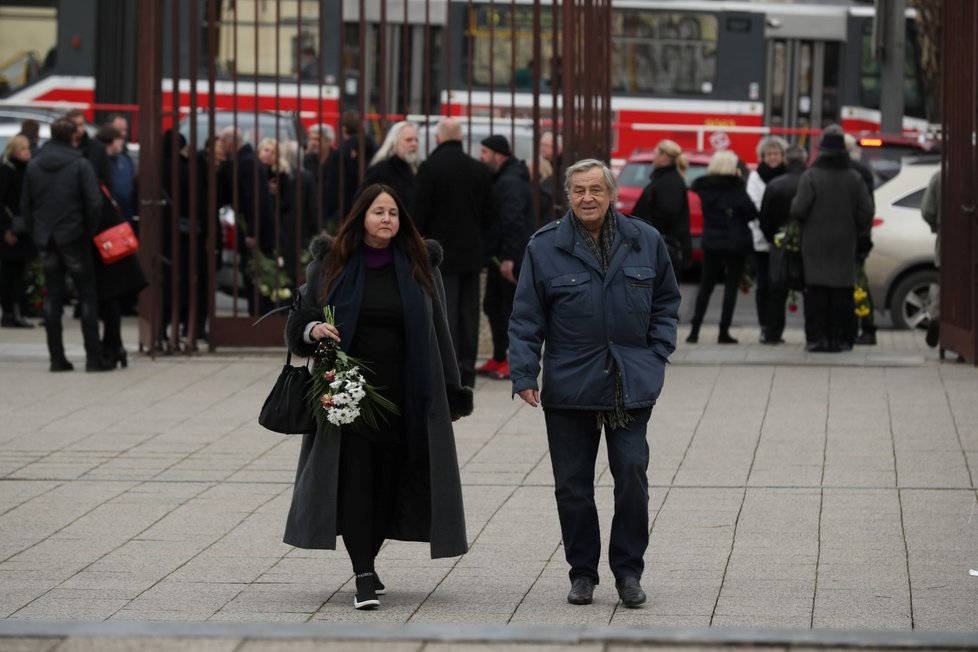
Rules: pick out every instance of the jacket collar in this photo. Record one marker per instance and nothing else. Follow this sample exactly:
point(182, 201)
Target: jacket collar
point(626, 239)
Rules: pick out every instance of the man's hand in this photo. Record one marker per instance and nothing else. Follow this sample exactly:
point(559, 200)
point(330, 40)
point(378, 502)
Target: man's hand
point(506, 270)
point(531, 396)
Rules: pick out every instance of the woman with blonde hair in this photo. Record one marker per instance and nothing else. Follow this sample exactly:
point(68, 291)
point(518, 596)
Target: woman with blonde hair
point(17, 246)
point(665, 205)
point(726, 238)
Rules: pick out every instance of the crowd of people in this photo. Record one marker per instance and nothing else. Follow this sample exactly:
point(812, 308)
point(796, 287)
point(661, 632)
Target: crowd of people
point(830, 206)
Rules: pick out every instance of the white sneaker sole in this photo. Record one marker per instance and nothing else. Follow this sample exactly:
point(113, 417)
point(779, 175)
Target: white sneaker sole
point(366, 604)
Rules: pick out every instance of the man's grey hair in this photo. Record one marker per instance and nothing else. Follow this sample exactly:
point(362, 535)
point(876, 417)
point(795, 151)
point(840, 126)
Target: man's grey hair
point(589, 164)
point(387, 148)
point(324, 131)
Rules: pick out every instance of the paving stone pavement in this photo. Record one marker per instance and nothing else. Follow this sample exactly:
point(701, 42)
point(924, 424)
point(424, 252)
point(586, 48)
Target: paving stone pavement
point(789, 490)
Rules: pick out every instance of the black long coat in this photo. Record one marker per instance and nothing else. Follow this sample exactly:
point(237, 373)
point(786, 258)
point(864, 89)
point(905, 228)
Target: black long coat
point(665, 205)
point(453, 205)
point(11, 183)
point(727, 209)
point(776, 204)
point(429, 505)
point(835, 211)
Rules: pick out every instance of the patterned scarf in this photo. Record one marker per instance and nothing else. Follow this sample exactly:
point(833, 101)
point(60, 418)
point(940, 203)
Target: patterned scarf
point(617, 418)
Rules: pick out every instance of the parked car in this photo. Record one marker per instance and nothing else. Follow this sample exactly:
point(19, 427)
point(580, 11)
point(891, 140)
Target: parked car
point(634, 176)
point(900, 268)
point(883, 153)
point(11, 115)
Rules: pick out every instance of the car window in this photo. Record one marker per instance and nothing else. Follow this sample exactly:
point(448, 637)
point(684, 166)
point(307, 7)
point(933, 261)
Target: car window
point(694, 172)
point(913, 200)
point(635, 175)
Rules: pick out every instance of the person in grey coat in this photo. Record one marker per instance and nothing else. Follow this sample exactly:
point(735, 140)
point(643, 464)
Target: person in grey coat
point(61, 203)
point(834, 209)
point(597, 297)
point(399, 480)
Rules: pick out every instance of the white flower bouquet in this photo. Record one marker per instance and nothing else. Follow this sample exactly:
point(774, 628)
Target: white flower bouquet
point(338, 392)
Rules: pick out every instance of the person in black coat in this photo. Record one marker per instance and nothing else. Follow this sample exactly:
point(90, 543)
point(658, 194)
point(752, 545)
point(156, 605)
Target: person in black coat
point(351, 157)
point(60, 203)
point(116, 280)
point(323, 161)
point(396, 162)
point(400, 479)
point(774, 215)
point(513, 200)
point(726, 239)
point(453, 205)
point(866, 324)
point(16, 248)
point(665, 205)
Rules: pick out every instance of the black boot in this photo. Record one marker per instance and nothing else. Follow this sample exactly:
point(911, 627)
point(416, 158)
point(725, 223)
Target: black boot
point(694, 334)
point(366, 596)
point(725, 337)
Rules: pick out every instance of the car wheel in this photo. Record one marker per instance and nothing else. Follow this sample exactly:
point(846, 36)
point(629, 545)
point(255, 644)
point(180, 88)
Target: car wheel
point(909, 307)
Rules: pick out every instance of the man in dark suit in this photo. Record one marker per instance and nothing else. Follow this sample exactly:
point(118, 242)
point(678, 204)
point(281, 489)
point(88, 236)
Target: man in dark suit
point(61, 202)
point(453, 205)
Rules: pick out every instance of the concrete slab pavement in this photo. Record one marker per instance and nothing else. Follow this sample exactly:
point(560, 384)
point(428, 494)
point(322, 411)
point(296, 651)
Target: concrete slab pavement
point(789, 490)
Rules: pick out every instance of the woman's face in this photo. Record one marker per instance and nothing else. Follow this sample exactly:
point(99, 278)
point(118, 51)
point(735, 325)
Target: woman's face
point(660, 159)
point(22, 152)
point(407, 144)
point(381, 222)
point(773, 157)
point(267, 154)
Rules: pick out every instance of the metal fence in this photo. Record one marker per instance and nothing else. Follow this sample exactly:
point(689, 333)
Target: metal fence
point(959, 220)
point(222, 75)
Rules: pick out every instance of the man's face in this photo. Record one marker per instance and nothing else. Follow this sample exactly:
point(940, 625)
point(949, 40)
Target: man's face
point(312, 143)
point(488, 157)
point(407, 144)
point(115, 147)
point(79, 128)
point(590, 196)
point(122, 125)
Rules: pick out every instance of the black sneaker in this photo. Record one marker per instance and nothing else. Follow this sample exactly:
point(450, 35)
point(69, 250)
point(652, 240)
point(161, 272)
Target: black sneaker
point(379, 587)
point(366, 595)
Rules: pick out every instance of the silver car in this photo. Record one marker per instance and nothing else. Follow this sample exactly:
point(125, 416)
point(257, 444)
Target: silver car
point(900, 268)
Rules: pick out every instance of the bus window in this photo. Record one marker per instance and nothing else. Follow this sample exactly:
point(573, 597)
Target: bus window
point(27, 44)
point(492, 41)
point(287, 26)
point(869, 74)
point(666, 53)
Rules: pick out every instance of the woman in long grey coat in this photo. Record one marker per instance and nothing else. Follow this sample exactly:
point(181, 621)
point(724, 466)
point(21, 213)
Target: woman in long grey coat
point(399, 480)
point(834, 209)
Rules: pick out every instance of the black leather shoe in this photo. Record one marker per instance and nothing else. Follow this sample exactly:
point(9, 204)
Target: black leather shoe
point(62, 365)
point(630, 592)
point(582, 590)
point(99, 365)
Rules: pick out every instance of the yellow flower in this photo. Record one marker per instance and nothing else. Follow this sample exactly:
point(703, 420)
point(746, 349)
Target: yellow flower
point(862, 311)
point(859, 294)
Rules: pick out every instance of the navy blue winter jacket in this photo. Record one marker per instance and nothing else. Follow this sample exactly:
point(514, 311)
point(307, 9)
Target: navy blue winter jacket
point(588, 324)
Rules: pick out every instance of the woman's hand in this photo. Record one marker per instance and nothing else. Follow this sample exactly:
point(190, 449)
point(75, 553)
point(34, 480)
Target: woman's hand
point(322, 330)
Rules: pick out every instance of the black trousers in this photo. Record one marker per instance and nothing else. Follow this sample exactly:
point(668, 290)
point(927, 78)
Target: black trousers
point(13, 286)
point(367, 479)
point(713, 264)
point(462, 306)
point(829, 314)
point(498, 306)
point(573, 437)
point(75, 260)
point(762, 287)
point(777, 302)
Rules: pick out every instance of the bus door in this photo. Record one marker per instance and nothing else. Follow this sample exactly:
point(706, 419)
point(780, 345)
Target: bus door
point(804, 84)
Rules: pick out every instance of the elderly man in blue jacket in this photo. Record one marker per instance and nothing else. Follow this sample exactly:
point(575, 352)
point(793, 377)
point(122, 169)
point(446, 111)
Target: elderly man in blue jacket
point(598, 289)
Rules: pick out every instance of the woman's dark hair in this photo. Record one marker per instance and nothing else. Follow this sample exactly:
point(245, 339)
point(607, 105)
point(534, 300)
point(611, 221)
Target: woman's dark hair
point(350, 239)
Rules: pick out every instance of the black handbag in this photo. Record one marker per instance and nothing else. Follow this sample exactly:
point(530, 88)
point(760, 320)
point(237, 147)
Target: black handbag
point(786, 270)
point(285, 410)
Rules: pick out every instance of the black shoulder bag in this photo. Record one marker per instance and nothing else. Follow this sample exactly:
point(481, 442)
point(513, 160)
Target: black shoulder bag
point(285, 410)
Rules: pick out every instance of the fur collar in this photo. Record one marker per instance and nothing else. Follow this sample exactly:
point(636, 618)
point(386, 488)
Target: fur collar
point(322, 244)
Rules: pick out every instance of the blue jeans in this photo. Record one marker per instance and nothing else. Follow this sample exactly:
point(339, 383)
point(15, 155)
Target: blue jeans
point(573, 437)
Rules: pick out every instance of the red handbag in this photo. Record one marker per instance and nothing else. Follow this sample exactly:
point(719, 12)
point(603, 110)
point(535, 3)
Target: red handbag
point(116, 242)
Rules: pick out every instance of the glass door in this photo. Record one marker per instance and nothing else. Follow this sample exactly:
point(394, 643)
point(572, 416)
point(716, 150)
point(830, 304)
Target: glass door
point(803, 84)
